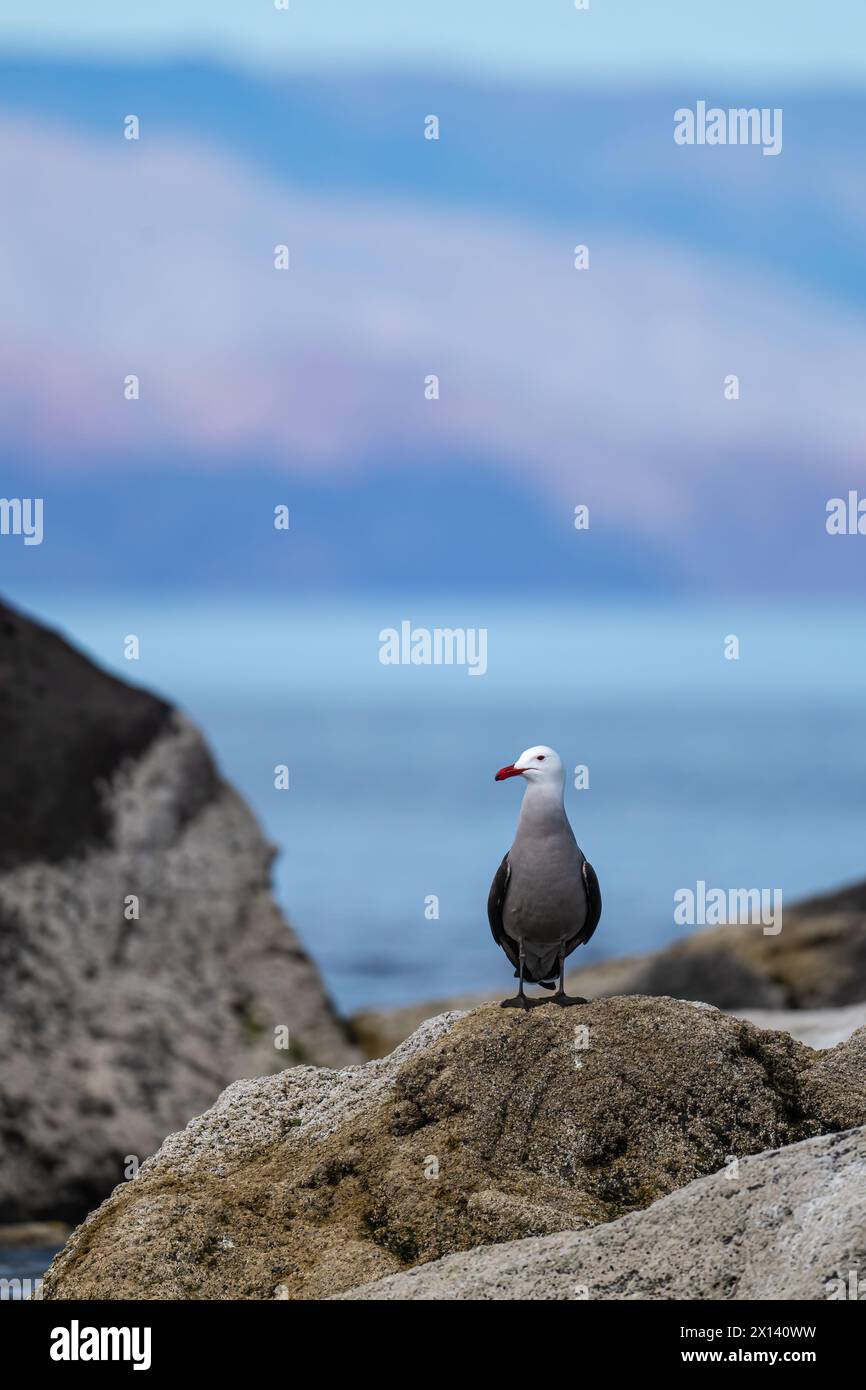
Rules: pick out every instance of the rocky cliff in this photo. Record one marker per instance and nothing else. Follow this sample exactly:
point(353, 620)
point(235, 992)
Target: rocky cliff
point(143, 962)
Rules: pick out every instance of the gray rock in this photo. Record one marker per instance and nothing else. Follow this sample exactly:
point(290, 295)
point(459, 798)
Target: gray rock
point(114, 1031)
point(789, 1225)
point(482, 1128)
point(817, 961)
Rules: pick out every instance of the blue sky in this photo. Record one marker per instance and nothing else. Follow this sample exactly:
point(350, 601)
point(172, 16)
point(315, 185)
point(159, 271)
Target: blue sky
point(614, 40)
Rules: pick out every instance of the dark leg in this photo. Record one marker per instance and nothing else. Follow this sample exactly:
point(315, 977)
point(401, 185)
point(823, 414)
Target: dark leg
point(520, 1000)
point(560, 997)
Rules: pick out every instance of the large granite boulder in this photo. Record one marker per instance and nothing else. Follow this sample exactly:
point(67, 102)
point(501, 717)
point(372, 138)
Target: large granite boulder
point(789, 1224)
point(115, 1028)
point(481, 1128)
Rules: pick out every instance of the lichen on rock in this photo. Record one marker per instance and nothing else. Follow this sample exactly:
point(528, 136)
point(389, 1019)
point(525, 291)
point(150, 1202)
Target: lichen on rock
point(482, 1128)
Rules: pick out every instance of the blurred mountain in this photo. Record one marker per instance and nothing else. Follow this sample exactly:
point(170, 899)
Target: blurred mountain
point(411, 258)
point(418, 531)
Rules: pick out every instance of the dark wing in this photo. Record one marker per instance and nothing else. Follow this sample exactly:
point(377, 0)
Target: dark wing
point(593, 903)
point(495, 905)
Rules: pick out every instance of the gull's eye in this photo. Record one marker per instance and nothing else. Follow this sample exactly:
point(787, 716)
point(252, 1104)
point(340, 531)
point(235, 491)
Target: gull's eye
point(539, 757)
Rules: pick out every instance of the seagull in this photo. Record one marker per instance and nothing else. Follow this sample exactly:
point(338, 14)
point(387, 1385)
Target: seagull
point(544, 899)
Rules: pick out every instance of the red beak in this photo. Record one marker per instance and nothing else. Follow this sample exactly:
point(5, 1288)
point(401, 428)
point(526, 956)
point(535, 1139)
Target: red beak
point(510, 771)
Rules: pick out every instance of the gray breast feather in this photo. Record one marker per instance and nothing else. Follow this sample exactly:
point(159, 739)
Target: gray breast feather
point(543, 910)
point(546, 900)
